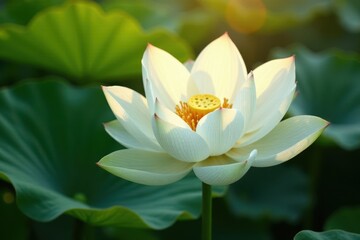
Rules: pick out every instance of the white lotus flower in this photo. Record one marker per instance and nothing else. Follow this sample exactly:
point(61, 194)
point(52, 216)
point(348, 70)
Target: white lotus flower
point(214, 119)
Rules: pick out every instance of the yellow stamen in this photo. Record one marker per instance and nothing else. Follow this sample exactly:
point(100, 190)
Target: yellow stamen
point(198, 106)
point(226, 104)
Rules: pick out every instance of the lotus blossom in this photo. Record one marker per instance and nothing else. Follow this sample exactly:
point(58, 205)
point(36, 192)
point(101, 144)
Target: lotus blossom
point(209, 116)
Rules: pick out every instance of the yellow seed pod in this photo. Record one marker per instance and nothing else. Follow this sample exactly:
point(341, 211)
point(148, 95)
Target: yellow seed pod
point(204, 103)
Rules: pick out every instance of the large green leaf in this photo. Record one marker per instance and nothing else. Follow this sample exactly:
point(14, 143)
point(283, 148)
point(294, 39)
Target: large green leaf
point(347, 218)
point(278, 193)
point(82, 41)
point(328, 235)
point(329, 87)
point(51, 136)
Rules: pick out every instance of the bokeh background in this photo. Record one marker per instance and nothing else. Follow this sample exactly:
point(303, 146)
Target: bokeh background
point(55, 55)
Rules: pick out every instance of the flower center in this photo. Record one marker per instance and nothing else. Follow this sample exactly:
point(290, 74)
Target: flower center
point(198, 106)
point(203, 103)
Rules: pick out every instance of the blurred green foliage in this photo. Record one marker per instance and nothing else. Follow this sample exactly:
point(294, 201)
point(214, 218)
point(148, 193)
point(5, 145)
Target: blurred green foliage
point(280, 193)
point(346, 218)
point(328, 235)
point(339, 101)
point(51, 131)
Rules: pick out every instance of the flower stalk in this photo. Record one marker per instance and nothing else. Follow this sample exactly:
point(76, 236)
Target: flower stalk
point(206, 212)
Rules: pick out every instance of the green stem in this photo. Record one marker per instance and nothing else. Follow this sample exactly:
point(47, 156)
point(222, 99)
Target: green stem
point(206, 211)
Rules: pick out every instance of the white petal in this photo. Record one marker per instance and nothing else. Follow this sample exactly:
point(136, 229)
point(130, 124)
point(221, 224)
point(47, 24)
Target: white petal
point(245, 99)
point(285, 141)
point(148, 91)
point(278, 71)
point(221, 129)
point(169, 116)
point(181, 143)
point(119, 133)
point(222, 170)
point(274, 81)
point(145, 167)
point(219, 69)
point(270, 122)
point(168, 77)
point(130, 108)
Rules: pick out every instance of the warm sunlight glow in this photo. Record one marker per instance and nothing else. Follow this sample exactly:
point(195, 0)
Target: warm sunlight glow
point(246, 16)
